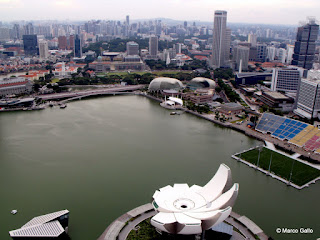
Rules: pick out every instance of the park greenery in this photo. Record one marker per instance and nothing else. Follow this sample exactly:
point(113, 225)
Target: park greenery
point(281, 165)
point(146, 231)
point(231, 94)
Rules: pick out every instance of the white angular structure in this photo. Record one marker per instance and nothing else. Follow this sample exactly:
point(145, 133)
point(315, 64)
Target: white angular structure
point(191, 210)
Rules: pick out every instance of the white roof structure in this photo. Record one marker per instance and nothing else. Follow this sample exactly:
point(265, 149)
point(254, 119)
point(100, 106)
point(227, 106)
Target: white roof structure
point(50, 229)
point(201, 82)
point(190, 210)
point(176, 100)
point(165, 83)
point(42, 226)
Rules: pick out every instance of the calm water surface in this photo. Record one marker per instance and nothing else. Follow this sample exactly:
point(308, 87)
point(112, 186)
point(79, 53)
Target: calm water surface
point(101, 157)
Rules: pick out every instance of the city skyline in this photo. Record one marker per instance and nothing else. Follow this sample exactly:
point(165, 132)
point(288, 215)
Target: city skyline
point(270, 12)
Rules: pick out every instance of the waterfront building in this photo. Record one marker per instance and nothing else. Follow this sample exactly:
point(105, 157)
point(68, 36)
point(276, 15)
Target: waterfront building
point(231, 108)
point(77, 47)
point(132, 48)
point(219, 48)
point(304, 48)
point(286, 79)
point(199, 96)
point(43, 50)
point(241, 55)
point(49, 226)
point(195, 209)
point(17, 85)
point(165, 83)
point(30, 44)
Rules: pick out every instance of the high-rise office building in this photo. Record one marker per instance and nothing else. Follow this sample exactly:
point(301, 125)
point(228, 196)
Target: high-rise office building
point(127, 20)
point(304, 48)
point(77, 46)
point(241, 56)
point(219, 38)
point(228, 44)
point(71, 42)
point(16, 31)
point(261, 52)
point(271, 53)
point(132, 48)
point(290, 49)
point(308, 97)
point(43, 49)
point(29, 29)
point(62, 42)
point(252, 38)
point(282, 55)
point(153, 46)
point(30, 44)
point(286, 79)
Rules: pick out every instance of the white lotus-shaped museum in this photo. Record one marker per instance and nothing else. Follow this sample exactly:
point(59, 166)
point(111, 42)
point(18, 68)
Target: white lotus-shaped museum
point(190, 210)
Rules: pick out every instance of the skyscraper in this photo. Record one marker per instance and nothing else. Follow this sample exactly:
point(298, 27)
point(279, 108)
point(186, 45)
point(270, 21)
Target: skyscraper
point(241, 54)
point(62, 42)
point(77, 47)
point(304, 48)
point(308, 97)
point(30, 44)
point(43, 50)
point(252, 38)
point(153, 46)
point(219, 38)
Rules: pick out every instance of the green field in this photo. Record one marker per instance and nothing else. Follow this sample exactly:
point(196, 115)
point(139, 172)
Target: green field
point(281, 165)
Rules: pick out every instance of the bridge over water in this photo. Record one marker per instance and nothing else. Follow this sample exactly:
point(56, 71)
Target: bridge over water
point(87, 93)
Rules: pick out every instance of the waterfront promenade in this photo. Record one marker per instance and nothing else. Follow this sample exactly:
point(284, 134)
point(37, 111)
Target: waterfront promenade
point(120, 228)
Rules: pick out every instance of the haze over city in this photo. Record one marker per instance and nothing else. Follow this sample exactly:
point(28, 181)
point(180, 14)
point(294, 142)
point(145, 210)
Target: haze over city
point(248, 11)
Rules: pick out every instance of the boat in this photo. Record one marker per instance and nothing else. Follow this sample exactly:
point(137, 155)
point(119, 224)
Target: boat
point(173, 113)
point(14, 211)
point(63, 106)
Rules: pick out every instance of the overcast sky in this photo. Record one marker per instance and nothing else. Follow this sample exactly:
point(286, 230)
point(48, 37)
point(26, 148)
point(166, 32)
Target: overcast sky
point(244, 11)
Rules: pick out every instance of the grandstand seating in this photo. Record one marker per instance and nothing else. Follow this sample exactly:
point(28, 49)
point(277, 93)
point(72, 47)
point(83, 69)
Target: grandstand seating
point(298, 133)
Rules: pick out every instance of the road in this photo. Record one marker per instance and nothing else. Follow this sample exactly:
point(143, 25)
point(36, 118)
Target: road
point(90, 92)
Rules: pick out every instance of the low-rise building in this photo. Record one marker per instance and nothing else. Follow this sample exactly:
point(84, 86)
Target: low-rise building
point(199, 96)
point(17, 85)
point(277, 101)
point(231, 108)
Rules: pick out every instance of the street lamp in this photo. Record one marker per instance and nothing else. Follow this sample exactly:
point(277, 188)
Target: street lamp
point(260, 147)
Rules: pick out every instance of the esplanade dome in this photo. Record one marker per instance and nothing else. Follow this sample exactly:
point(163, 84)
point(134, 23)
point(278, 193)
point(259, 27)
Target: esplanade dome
point(201, 82)
point(165, 83)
